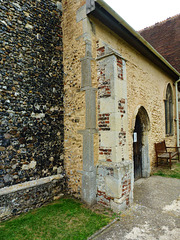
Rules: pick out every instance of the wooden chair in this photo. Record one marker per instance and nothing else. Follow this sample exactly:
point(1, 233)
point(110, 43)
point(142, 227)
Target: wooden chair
point(162, 152)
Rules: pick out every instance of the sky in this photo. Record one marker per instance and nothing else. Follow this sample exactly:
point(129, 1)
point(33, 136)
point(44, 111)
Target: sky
point(142, 13)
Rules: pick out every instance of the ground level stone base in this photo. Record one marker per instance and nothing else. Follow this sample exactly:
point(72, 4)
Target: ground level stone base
point(14, 202)
point(89, 187)
point(115, 185)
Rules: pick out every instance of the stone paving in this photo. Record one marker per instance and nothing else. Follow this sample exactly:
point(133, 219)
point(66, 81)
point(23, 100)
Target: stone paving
point(154, 215)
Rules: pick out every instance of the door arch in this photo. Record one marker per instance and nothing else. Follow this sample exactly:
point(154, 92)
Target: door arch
point(141, 145)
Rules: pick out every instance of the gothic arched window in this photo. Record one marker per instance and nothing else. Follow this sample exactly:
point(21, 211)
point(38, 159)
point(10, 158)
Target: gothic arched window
point(169, 110)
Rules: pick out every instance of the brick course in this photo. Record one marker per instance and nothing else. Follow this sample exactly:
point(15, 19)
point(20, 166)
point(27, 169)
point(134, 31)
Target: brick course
point(104, 86)
point(120, 68)
point(104, 122)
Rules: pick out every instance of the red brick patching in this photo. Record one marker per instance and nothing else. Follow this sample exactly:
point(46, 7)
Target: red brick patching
point(104, 87)
point(100, 51)
point(126, 188)
point(122, 137)
point(121, 106)
point(101, 74)
point(124, 171)
point(103, 122)
point(106, 152)
point(120, 68)
point(103, 198)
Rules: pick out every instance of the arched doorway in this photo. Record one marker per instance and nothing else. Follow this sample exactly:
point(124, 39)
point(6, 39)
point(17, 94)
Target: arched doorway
point(140, 145)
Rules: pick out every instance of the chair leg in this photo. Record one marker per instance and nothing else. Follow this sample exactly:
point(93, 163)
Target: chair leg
point(156, 161)
point(170, 159)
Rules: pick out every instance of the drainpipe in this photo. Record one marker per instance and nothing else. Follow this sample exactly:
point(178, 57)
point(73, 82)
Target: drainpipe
point(177, 111)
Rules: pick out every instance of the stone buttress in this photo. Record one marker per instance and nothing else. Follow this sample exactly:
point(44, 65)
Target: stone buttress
point(114, 170)
point(110, 182)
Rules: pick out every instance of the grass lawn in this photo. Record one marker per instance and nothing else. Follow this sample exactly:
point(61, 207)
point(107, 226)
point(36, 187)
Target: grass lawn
point(174, 172)
point(64, 219)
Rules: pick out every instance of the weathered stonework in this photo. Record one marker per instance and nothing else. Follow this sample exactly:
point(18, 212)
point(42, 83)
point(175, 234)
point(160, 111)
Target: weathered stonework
point(112, 104)
point(31, 92)
point(146, 86)
point(80, 102)
point(103, 121)
point(106, 153)
point(73, 99)
point(77, 121)
point(29, 195)
point(114, 170)
point(115, 185)
point(31, 88)
point(120, 68)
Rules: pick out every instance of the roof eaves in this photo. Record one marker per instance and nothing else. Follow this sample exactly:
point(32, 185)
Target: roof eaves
point(103, 12)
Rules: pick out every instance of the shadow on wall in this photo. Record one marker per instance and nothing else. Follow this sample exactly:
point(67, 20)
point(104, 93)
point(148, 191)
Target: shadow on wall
point(140, 144)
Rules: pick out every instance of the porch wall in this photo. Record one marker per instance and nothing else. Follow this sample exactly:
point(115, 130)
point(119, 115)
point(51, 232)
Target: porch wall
point(83, 143)
point(114, 170)
point(146, 86)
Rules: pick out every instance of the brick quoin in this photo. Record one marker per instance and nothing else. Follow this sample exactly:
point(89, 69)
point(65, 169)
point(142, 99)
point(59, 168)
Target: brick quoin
point(106, 152)
point(103, 122)
point(127, 201)
point(121, 105)
point(104, 87)
point(120, 68)
point(100, 51)
point(106, 198)
point(101, 74)
point(126, 188)
point(119, 62)
point(122, 100)
point(122, 137)
point(97, 44)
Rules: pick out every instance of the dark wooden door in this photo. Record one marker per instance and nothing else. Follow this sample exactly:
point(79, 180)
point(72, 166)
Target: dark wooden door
point(137, 149)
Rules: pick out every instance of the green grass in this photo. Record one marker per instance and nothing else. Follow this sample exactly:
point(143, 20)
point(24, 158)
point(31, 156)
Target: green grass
point(174, 172)
point(64, 219)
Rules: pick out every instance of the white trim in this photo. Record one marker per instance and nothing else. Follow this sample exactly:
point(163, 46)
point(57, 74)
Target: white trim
point(30, 184)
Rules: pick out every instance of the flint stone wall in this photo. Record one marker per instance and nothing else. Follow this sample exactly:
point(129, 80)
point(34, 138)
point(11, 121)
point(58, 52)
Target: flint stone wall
point(31, 88)
point(31, 95)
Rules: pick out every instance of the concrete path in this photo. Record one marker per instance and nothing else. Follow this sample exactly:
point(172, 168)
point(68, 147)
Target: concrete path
point(155, 214)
